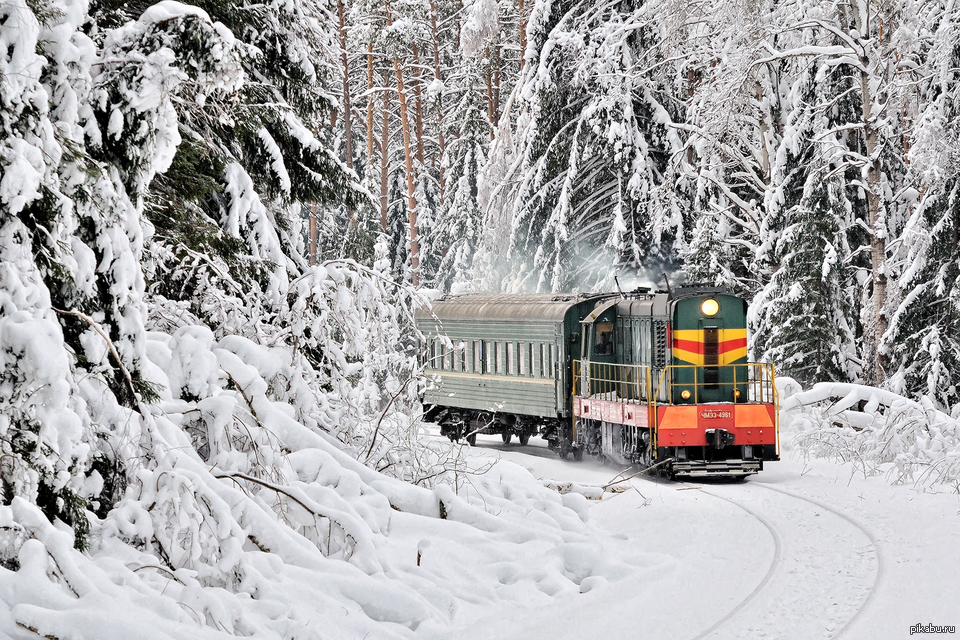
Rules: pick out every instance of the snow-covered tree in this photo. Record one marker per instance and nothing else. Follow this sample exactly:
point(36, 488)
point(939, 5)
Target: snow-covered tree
point(923, 341)
point(587, 181)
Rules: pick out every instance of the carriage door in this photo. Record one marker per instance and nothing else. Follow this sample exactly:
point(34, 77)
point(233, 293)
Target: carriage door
point(709, 381)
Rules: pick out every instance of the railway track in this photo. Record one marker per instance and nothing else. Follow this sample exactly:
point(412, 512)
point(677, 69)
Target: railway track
point(822, 578)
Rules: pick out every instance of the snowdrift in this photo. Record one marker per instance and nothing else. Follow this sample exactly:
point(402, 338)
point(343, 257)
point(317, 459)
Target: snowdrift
point(242, 517)
point(875, 431)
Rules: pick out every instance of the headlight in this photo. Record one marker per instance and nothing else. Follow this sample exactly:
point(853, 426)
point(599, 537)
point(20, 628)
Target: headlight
point(709, 307)
point(685, 394)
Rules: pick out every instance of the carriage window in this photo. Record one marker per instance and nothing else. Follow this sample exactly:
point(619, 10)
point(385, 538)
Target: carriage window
point(523, 367)
point(511, 359)
point(431, 353)
point(604, 342)
point(461, 356)
point(478, 356)
point(489, 361)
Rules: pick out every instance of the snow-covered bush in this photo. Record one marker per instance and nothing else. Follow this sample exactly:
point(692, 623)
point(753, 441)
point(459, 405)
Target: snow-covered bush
point(875, 431)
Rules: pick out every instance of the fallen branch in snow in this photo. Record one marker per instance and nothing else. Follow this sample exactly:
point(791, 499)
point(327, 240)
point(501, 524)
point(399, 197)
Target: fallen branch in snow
point(159, 568)
point(35, 631)
point(280, 490)
point(638, 473)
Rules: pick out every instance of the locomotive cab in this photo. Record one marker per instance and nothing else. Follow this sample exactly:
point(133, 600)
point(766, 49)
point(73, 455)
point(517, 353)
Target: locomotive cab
point(599, 342)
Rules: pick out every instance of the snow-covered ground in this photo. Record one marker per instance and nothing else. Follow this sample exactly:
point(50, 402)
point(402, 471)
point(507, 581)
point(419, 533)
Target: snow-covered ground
point(802, 550)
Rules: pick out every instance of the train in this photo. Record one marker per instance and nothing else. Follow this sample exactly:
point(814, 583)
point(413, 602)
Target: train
point(657, 379)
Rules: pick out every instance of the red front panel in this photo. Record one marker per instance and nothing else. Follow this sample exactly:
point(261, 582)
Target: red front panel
point(686, 425)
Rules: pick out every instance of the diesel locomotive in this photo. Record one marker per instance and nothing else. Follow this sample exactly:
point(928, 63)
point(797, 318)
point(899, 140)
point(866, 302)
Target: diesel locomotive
point(647, 378)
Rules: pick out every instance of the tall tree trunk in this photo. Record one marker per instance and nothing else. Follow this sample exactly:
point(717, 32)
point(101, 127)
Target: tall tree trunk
point(878, 226)
point(411, 181)
point(418, 104)
point(314, 234)
point(384, 161)
point(347, 119)
point(490, 115)
point(347, 115)
point(369, 102)
point(496, 61)
point(523, 31)
point(436, 74)
point(408, 156)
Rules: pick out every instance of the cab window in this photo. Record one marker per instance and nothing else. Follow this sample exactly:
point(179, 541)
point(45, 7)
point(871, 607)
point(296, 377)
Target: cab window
point(603, 346)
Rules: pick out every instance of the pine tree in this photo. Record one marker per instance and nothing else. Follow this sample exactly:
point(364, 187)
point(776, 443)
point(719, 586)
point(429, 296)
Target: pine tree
point(804, 318)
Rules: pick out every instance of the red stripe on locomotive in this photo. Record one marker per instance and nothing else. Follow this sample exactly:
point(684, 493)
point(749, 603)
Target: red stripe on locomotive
point(696, 346)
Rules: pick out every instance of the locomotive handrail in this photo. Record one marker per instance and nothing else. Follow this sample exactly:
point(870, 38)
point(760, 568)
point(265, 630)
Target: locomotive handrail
point(759, 382)
point(628, 383)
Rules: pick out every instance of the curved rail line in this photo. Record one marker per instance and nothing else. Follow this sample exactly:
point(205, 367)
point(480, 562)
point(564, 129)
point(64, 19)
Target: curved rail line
point(873, 541)
point(774, 564)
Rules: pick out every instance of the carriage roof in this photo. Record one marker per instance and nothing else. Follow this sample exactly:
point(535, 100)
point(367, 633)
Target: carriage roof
point(529, 307)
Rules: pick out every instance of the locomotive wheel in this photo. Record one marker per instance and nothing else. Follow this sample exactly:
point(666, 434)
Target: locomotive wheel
point(524, 438)
point(506, 436)
point(472, 438)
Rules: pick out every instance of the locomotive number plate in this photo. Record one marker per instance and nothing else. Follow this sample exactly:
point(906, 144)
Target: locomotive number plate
point(712, 414)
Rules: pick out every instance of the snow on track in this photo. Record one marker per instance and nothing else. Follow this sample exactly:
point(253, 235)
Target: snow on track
point(826, 571)
point(774, 565)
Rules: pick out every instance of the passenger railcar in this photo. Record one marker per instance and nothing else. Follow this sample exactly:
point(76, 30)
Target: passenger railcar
point(501, 364)
point(645, 378)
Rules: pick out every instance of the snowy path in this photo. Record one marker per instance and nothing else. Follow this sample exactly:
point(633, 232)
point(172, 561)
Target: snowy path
point(800, 551)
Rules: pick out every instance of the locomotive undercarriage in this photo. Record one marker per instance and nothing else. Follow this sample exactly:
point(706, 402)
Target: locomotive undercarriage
point(630, 445)
point(621, 443)
point(699, 462)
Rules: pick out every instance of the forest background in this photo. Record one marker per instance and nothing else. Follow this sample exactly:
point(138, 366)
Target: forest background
point(217, 218)
point(802, 153)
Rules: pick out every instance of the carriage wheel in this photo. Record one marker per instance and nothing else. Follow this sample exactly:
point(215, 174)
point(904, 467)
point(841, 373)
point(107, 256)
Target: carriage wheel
point(524, 438)
point(506, 436)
